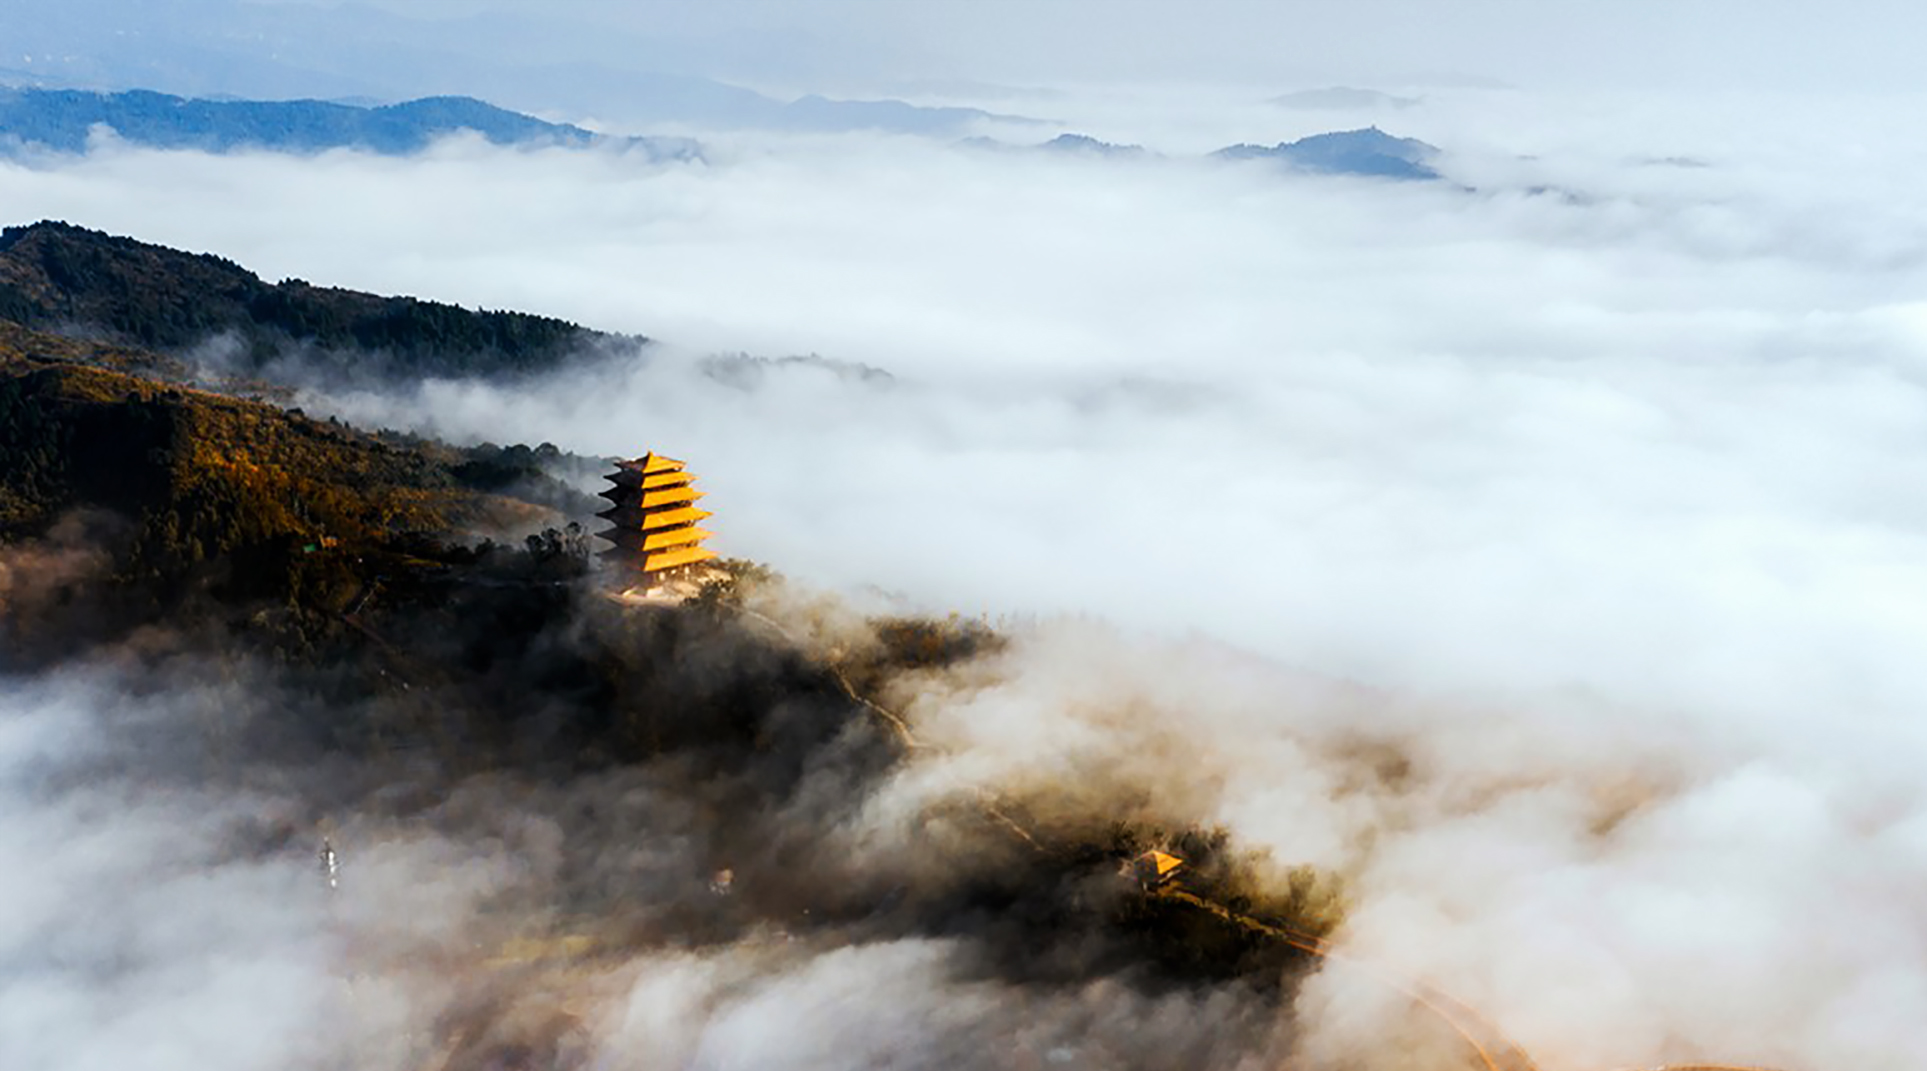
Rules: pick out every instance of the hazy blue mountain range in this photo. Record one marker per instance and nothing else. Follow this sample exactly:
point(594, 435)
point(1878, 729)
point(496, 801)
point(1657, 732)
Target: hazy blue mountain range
point(821, 113)
point(1369, 152)
point(1351, 152)
point(1085, 145)
point(62, 119)
point(1065, 145)
point(221, 48)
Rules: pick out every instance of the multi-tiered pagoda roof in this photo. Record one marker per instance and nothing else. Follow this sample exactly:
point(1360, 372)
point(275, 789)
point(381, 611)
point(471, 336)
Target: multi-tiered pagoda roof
point(653, 508)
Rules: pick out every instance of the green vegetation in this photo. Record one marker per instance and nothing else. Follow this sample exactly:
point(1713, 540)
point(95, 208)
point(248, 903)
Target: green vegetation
point(234, 500)
point(55, 276)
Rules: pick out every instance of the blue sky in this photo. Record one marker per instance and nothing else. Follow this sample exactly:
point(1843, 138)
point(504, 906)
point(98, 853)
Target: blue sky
point(853, 46)
point(1553, 43)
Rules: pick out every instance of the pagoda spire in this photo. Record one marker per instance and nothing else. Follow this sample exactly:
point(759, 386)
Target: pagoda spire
point(652, 505)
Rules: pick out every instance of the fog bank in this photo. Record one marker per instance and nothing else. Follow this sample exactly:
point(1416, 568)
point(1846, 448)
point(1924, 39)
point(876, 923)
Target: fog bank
point(1533, 548)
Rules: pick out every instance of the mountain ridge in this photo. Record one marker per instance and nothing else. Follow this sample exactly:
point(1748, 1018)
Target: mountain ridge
point(67, 279)
point(281, 51)
point(1367, 152)
point(65, 120)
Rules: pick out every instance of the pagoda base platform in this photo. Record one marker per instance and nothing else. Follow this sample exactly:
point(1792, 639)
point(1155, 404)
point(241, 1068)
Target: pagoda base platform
point(685, 585)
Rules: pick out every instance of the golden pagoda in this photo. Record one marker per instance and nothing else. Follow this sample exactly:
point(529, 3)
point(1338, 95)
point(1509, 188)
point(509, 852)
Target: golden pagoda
point(653, 508)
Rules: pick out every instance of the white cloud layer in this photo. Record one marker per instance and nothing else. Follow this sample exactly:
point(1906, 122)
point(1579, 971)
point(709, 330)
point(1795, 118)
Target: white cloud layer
point(1612, 483)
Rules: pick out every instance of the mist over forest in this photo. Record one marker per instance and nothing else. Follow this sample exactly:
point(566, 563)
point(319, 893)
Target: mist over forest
point(1489, 568)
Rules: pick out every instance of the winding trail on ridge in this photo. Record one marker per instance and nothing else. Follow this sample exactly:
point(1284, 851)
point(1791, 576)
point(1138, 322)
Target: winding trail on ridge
point(1495, 1049)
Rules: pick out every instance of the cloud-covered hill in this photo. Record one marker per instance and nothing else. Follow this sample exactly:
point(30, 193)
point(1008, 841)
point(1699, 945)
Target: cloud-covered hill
point(1370, 152)
point(291, 641)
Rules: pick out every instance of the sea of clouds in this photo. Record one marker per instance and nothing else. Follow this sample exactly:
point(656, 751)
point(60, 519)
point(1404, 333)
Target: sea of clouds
point(1594, 465)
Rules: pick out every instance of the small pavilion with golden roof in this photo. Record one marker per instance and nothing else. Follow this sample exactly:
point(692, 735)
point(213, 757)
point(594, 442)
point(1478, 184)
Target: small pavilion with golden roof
point(1155, 868)
point(653, 509)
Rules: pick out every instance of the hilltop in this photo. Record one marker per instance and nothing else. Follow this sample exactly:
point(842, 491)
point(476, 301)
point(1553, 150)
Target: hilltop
point(1370, 152)
point(214, 497)
point(345, 575)
point(62, 278)
point(819, 113)
point(65, 119)
point(1062, 145)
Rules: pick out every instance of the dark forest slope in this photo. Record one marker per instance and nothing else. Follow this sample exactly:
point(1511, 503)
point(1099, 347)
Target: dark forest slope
point(66, 279)
point(211, 500)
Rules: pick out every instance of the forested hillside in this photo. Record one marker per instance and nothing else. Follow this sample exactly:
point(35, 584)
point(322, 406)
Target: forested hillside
point(141, 516)
point(61, 278)
point(211, 497)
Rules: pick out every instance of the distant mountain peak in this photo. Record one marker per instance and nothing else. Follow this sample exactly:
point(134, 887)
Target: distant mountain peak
point(816, 112)
point(1062, 144)
point(1368, 151)
point(1090, 146)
